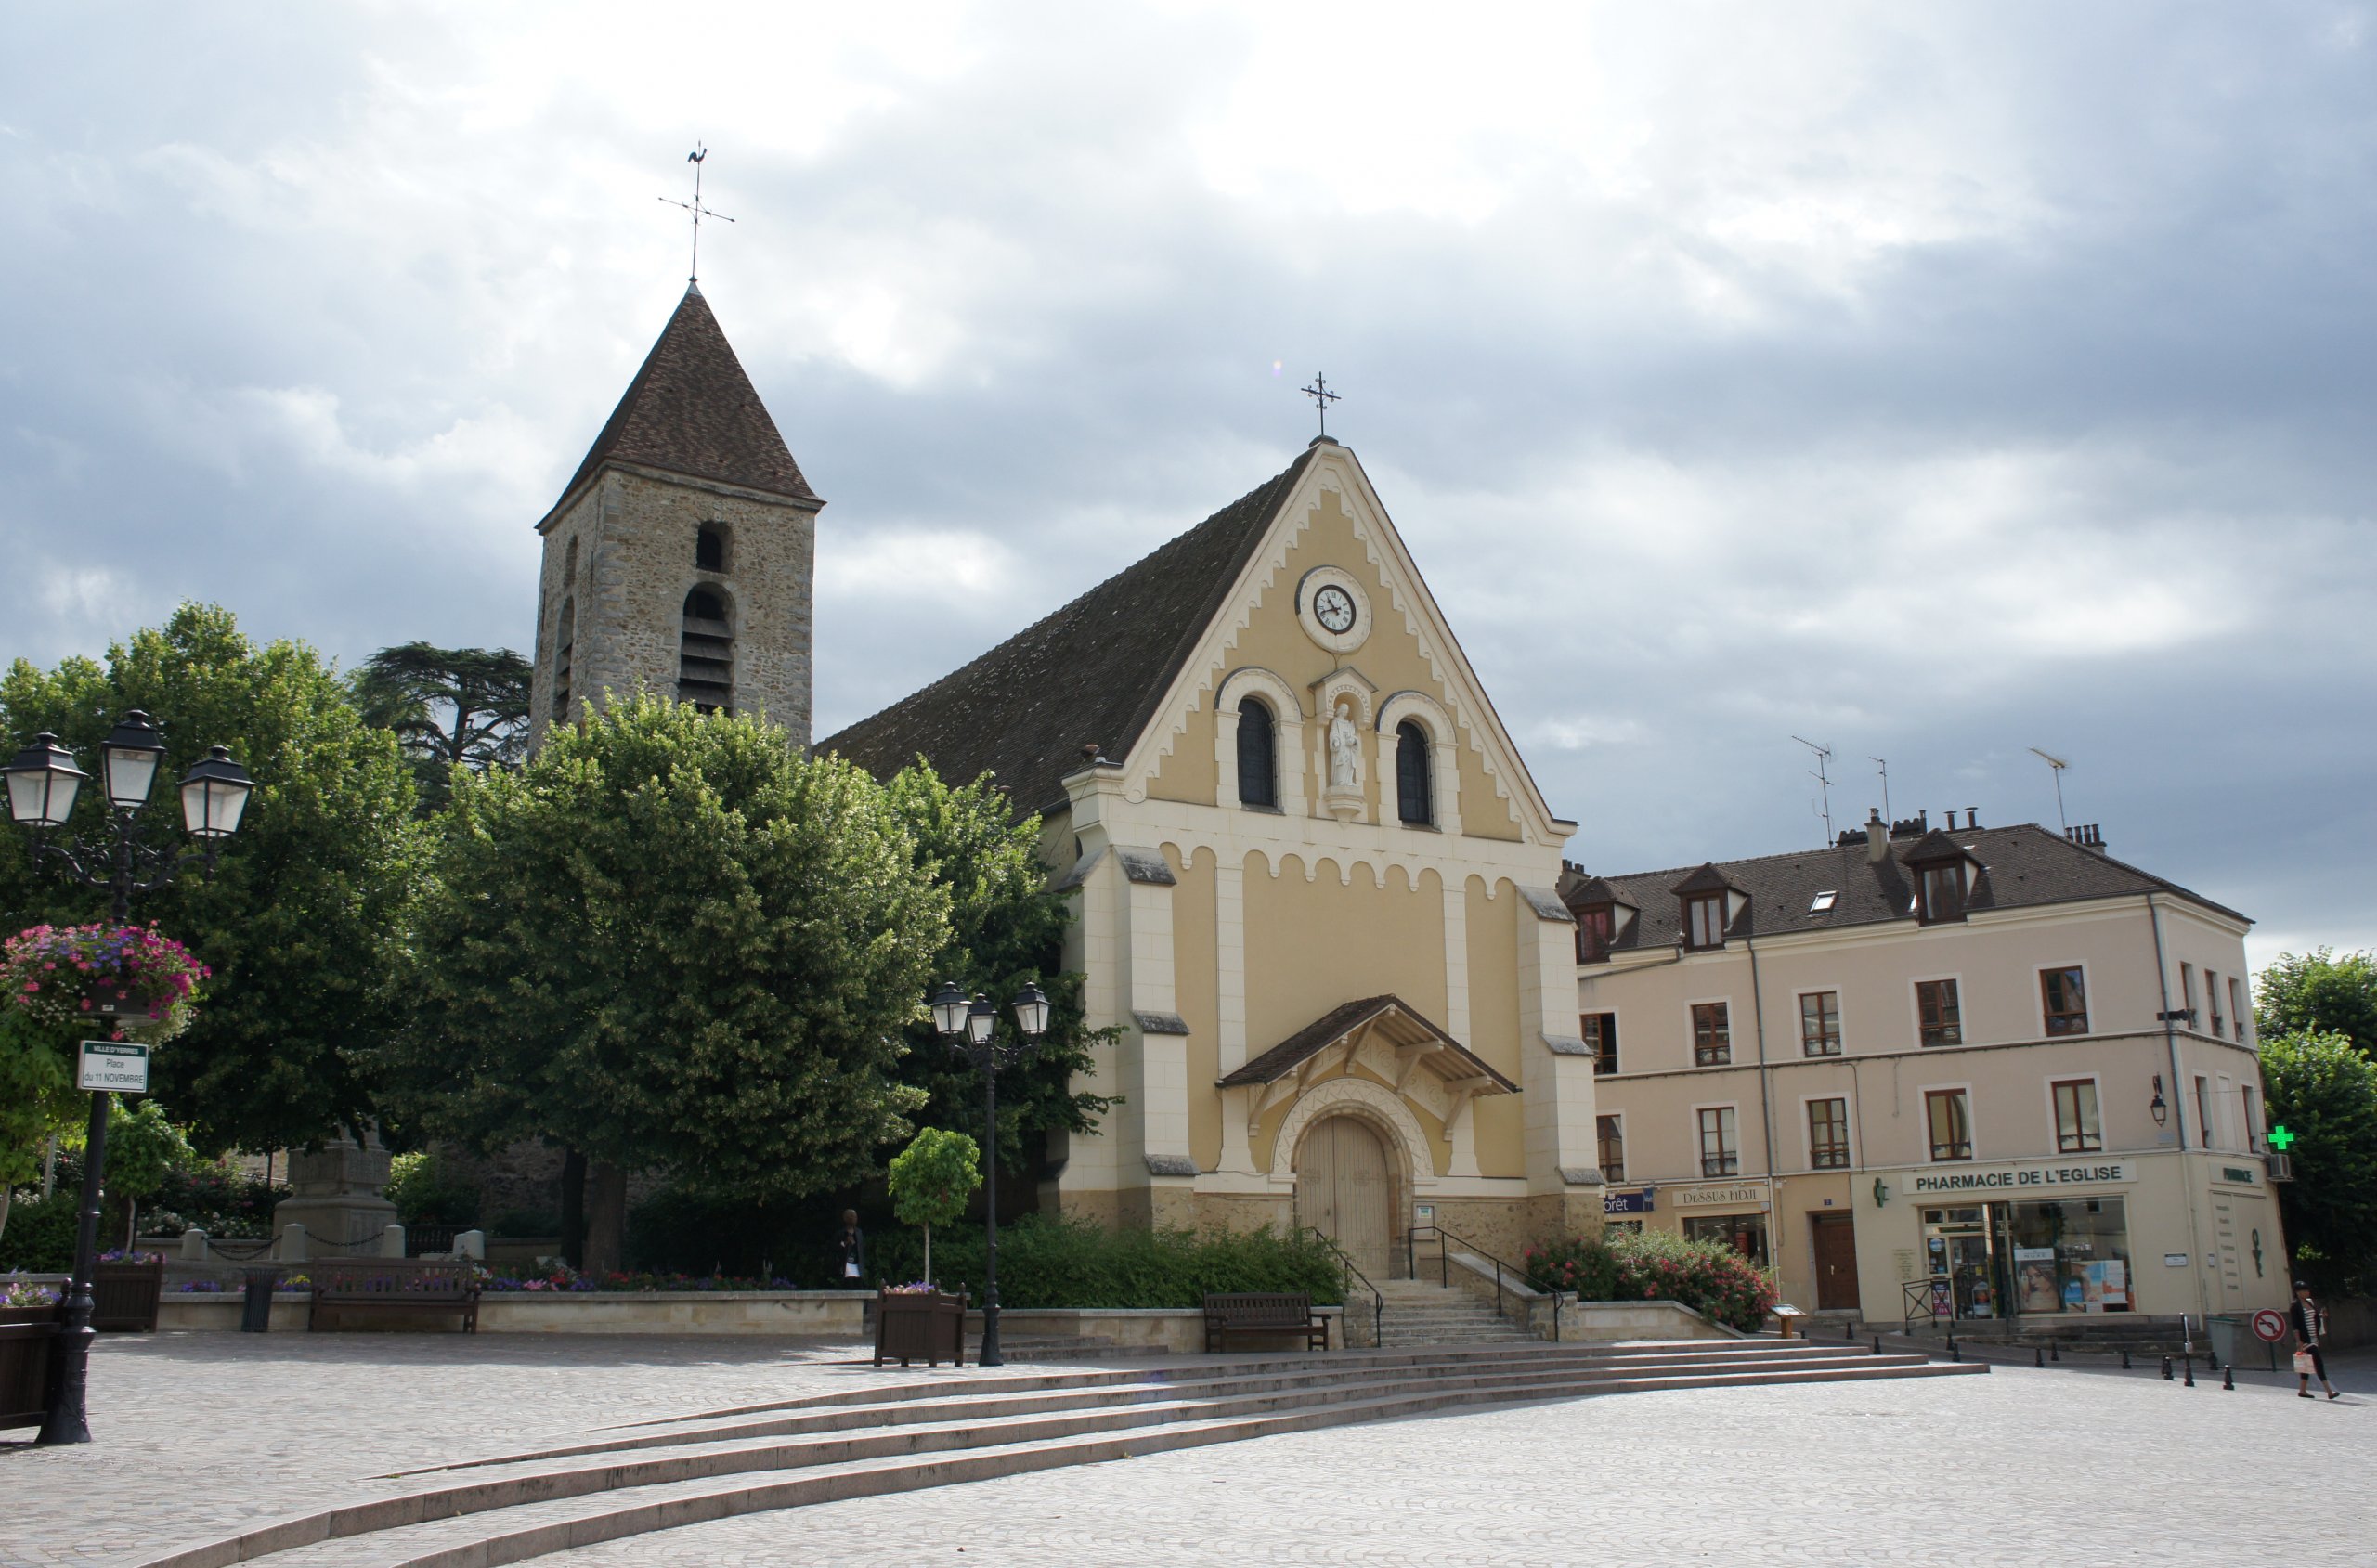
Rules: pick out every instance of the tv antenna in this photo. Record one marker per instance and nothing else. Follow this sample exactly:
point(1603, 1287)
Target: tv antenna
point(2057, 764)
point(1823, 755)
point(1884, 764)
point(692, 273)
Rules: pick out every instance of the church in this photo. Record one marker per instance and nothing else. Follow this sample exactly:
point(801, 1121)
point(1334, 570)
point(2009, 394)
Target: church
point(1313, 885)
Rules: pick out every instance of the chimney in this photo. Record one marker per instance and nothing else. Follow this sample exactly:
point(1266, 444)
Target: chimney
point(1878, 838)
point(2087, 836)
point(1972, 816)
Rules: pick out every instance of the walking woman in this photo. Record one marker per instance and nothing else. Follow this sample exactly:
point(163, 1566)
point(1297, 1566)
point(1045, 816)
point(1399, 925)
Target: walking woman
point(2309, 1359)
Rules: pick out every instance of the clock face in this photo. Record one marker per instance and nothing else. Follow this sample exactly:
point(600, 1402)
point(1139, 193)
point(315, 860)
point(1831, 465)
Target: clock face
point(1333, 607)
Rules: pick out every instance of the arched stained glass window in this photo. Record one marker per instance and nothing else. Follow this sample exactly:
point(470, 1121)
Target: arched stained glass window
point(1258, 762)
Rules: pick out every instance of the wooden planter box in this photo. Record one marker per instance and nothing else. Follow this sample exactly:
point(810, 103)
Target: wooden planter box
point(25, 1337)
point(125, 1296)
point(928, 1326)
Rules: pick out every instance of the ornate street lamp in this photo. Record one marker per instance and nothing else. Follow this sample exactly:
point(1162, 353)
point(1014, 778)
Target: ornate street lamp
point(971, 1028)
point(43, 784)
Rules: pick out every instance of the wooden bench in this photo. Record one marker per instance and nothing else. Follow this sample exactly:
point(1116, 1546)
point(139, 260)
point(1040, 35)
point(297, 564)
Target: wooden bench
point(1237, 1314)
point(387, 1287)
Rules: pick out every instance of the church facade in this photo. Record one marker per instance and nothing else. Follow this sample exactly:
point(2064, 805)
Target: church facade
point(1314, 886)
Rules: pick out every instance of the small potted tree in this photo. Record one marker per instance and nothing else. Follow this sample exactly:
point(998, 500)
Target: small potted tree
point(929, 1181)
point(28, 1313)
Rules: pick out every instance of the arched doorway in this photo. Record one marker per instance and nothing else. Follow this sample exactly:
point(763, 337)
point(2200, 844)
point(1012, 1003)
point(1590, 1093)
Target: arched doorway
point(1346, 1190)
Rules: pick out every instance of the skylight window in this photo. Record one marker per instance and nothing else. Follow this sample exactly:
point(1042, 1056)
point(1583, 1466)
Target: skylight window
point(1822, 904)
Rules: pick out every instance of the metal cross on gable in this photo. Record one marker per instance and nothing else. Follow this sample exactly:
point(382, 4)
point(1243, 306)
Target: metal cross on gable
point(692, 273)
point(1322, 397)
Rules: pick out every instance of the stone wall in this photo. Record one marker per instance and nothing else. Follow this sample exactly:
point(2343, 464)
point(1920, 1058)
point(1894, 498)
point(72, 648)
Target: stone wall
point(634, 535)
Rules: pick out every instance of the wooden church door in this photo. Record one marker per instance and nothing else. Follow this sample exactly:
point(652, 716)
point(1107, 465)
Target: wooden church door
point(1345, 1189)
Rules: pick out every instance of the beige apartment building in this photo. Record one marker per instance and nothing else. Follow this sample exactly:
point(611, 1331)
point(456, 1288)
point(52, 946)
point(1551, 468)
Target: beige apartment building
point(1958, 1073)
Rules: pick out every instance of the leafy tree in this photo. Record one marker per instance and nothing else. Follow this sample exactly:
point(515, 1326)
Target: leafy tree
point(297, 920)
point(673, 944)
point(2317, 992)
point(931, 1179)
point(38, 1100)
point(450, 708)
point(143, 1150)
point(2324, 1090)
point(1006, 927)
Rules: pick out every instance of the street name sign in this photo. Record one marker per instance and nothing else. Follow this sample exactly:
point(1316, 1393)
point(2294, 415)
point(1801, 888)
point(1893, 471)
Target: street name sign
point(114, 1065)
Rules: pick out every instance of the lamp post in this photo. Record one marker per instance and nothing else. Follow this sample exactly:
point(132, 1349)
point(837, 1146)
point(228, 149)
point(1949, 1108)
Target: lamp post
point(971, 1028)
point(43, 784)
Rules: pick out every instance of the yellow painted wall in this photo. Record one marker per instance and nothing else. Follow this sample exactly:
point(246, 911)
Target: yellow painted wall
point(1390, 658)
point(1313, 945)
point(1195, 989)
point(1494, 1023)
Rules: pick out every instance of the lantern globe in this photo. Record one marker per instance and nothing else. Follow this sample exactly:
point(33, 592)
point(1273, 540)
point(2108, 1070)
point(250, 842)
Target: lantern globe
point(215, 795)
point(949, 1008)
point(128, 761)
point(1032, 1011)
point(42, 783)
point(980, 1019)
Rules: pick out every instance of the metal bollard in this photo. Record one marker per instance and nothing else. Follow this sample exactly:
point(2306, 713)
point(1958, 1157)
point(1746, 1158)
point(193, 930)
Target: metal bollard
point(2166, 1368)
point(2041, 1355)
point(2229, 1378)
point(1877, 1345)
point(2124, 1359)
point(2055, 1350)
point(2189, 1363)
point(1954, 1353)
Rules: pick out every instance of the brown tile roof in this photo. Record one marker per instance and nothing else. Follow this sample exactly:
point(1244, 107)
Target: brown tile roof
point(692, 410)
point(1091, 673)
point(2021, 867)
point(1340, 1022)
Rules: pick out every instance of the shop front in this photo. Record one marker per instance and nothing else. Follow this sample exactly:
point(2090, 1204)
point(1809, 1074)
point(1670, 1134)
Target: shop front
point(2023, 1242)
point(1736, 1214)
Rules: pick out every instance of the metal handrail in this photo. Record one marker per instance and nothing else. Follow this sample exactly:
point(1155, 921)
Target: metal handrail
point(1378, 1297)
point(1444, 1262)
point(1918, 1293)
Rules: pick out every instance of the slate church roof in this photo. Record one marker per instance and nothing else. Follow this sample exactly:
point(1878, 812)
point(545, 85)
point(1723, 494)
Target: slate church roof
point(692, 410)
point(1092, 673)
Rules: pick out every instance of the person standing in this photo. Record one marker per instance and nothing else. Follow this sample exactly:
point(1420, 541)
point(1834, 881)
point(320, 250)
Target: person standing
point(2309, 1323)
point(853, 1252)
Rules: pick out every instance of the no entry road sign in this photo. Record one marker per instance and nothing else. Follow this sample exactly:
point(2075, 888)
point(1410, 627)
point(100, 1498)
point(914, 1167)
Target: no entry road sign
point(2269, 1326)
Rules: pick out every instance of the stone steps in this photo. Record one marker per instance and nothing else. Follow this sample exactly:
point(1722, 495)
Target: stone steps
point(1420, 1312)
point(679, 1471)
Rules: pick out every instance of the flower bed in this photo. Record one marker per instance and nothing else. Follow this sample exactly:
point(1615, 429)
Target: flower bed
point(571, 1280)
point(1655, 1265)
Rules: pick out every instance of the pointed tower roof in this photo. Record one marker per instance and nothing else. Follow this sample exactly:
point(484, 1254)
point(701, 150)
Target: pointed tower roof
point(692, 410)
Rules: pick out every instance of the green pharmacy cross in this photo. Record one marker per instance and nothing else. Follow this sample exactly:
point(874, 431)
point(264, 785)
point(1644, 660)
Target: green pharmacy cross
point(2280, 1139)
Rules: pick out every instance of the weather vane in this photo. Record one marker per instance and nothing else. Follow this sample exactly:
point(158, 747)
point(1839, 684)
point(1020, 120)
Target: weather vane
point(693, 273)
point(1322, 397)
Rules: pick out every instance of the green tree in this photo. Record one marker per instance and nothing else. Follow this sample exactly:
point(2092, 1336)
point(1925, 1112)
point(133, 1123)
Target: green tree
point(674, 945)
point(2317, 992)
point(38, 1100)
point(450, 708)
point(1006, 927)
point(2324, 1091)
point(143, 1150)
point(298, 919)
point(931, 1179)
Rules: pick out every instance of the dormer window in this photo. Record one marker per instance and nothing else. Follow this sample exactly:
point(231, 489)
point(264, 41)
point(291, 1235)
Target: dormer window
point(1704, 920)
point(1596, 925)
point(1940, 893)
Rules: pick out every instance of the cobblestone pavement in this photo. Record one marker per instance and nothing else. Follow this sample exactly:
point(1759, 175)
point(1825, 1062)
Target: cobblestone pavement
point(200, 1433)
point(2020, 1467)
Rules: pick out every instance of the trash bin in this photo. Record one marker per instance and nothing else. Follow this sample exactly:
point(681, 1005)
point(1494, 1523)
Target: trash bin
point(2224, 1338)
point(255, 1314)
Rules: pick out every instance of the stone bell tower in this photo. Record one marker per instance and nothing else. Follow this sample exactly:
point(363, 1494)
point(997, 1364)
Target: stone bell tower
point(680, 557)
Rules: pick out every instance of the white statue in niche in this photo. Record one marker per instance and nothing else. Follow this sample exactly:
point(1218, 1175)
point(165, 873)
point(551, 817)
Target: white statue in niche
point(1345, 748)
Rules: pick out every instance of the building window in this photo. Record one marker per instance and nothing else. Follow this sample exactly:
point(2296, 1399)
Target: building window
point(1820, 1023)
point(1940, 1018)
point(1599, 1031)
point(1721, 1152)
point(1951, 1124)
point(1595, 925)
point(2212, 999)
point(1258, 764)
point(1704, 920)
point(705, 653)
point(1712, 1034)
point(2067, 1000)
point(2252, 1123)
point(1828, 1135)
point(2204, 1111)
point(564, 653)
point(569, 567)
point(1940, 892)
point(1744, 1234)
point(2077, 1130)
point(1414, 798)
point(2237, 1006)
point(710, 547)
point(1612, 1148)
point(2186, 992)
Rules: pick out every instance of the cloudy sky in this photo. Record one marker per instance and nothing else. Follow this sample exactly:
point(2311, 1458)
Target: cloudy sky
point(1932, 382)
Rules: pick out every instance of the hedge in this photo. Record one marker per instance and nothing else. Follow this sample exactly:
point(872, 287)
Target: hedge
point(1657, 1266)
point(1045, 1261)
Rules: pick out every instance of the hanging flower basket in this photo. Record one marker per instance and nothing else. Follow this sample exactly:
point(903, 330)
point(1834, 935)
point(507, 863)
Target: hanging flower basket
point(126, 982)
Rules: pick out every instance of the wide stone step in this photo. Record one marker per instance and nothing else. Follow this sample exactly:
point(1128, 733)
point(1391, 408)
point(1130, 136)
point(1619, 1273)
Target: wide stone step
point(522, 1506)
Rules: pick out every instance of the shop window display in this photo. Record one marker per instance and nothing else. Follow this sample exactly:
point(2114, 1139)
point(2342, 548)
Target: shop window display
point(2071, 1255)
point(1744, 1234)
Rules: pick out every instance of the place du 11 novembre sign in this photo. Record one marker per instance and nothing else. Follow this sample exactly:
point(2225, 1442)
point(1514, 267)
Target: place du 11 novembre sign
point(2019, 1178)
point(114, 1065)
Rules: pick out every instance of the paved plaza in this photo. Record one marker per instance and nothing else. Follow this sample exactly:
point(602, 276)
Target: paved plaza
point(203, 1432)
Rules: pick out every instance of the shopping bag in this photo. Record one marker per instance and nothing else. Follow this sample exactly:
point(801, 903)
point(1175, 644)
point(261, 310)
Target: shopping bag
point(2304, 1365)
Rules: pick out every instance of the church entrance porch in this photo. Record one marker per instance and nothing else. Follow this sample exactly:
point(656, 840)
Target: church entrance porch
point(1346, 1190)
